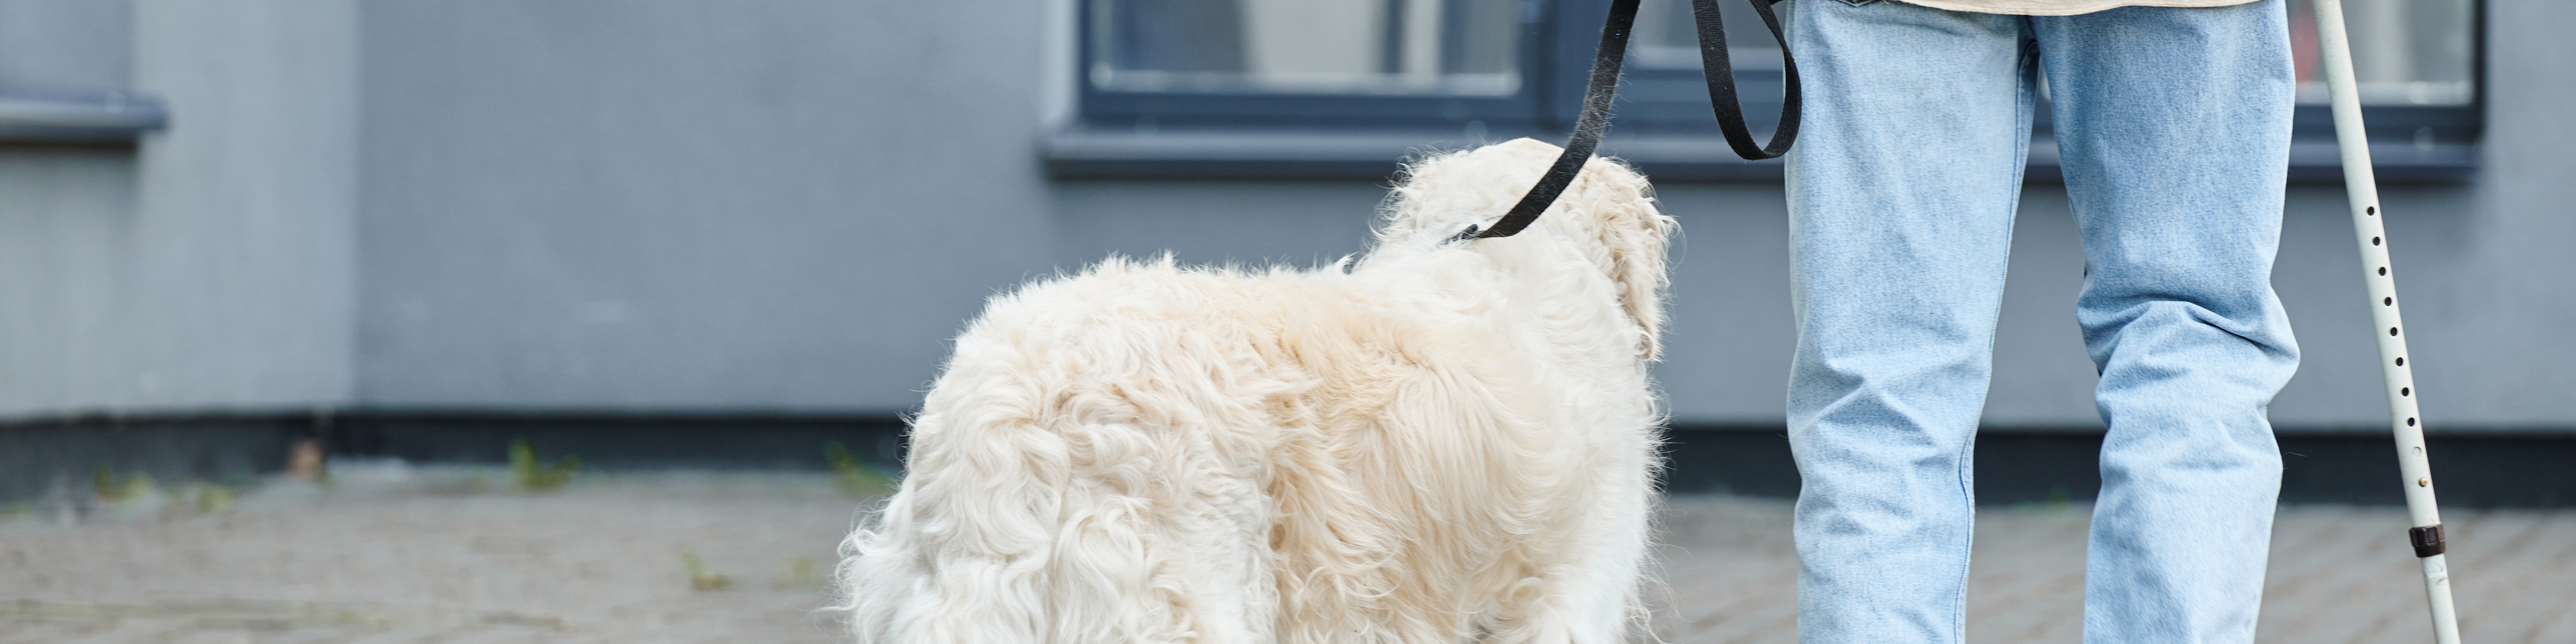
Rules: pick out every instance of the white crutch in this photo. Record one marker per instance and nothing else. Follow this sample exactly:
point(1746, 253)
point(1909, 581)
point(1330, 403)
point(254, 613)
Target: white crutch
point(2363, 189)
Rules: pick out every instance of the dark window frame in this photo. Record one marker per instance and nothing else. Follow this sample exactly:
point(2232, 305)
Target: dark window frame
point(1662, 123)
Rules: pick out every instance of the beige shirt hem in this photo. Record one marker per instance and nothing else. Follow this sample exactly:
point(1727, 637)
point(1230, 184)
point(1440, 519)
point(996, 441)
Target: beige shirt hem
point(2058, 7)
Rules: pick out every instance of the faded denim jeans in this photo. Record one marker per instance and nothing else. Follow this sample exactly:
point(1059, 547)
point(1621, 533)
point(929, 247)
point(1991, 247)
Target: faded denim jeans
point(2174, 129)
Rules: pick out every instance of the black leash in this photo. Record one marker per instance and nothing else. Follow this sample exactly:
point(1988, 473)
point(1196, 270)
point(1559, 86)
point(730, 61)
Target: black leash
point(1605, 80)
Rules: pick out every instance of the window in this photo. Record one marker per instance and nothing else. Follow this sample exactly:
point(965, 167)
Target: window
point(1324, 47)
point(2418, 63)
point(1342, 88)
point(1663, 88)
point(2406, 52)
point(1270, 88)
point(1338, 63)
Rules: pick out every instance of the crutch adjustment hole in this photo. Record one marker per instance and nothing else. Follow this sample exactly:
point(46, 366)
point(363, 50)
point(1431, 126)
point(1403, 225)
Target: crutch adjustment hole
point(2370, 210)
point(2401, 362)
point(2410, 422)
point(2374, 241)
point(2383, 270)
point(2392, 330)
point(2405, 391)
point(2387, 301)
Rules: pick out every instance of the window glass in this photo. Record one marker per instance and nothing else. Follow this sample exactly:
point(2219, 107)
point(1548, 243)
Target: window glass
point(2404, 52)
point(1436, 47)
point(1667, 36)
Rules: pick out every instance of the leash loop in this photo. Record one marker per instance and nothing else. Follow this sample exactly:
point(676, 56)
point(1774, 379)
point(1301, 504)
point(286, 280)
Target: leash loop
point(1597, 94)
point(1721, 83)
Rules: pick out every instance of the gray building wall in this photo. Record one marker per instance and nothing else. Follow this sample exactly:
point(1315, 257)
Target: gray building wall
point(682, 205)
point(790, 205)
point(209, 269)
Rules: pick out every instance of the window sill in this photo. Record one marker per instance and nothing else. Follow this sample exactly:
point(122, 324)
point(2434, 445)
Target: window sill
point(1351, 154)
point(1242, 153)
point(1248, 153)
point(34, 117)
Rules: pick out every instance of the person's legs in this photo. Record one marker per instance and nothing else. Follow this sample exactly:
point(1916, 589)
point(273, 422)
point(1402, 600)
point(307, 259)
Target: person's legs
point(1901, 193)
point(2174, 127)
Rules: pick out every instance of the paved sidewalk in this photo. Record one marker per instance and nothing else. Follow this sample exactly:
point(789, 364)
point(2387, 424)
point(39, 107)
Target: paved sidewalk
point(2339, 575)
point(419, 554)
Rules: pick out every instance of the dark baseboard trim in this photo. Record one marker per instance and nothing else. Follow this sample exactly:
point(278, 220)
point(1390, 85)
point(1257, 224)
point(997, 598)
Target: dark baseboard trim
point(57, 456)
point(625, 441)
point(2013, 466)
point(2016, 467)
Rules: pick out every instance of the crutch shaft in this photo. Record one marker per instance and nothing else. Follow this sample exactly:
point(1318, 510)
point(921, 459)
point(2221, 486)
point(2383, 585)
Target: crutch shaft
point(2371, 234)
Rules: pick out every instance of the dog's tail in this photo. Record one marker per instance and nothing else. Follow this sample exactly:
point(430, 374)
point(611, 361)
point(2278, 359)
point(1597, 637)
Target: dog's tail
point(994, 538)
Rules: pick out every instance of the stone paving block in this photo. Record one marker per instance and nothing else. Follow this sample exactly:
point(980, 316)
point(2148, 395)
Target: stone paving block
point(15, 632)
point(392, 553)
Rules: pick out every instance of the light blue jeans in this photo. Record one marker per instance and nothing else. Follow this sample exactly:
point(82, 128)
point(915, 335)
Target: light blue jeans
point(2174, 129)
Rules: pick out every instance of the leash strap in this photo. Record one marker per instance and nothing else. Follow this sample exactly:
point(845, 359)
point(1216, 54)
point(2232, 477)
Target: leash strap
point(1605, 80)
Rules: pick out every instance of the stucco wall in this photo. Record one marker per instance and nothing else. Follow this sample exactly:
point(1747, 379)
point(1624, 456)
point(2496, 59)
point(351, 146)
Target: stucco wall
point(790, 205)
point(830, 190)
point(675, 204)
point(208, 270)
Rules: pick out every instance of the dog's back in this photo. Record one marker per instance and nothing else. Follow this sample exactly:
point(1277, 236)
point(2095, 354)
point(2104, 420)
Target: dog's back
point(1439, 444)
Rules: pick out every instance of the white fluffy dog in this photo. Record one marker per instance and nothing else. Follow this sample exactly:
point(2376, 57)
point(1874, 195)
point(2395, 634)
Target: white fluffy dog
point(1451, 441)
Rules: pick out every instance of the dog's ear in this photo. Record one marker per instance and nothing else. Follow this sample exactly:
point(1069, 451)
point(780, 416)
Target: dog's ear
point(1615, 206)
point(1635, 234)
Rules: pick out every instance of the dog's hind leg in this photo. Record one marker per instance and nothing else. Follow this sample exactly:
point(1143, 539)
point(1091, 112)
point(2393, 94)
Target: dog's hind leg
point(1159, 542)
point(1089, 533)
point(1220, 539)
point(957, 555)
point(1592, 594)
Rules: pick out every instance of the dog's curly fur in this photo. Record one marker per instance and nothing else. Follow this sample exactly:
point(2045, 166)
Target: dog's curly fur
point(1451, 441)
